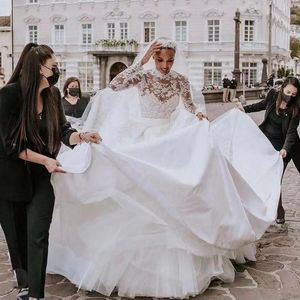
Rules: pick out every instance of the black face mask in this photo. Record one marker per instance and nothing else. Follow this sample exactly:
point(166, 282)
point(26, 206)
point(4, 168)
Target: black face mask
point(73, 92)
point(287, 98)
point(53, 79)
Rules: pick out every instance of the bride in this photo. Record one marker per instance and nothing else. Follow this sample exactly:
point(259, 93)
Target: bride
point(168, 199)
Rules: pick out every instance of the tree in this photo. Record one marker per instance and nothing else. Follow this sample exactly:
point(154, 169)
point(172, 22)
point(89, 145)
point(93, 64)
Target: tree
point(282, 72)
point(295, 47)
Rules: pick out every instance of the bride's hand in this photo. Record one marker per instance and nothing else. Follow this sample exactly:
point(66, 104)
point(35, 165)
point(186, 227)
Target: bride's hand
point(201, 116)
point(239, 106)
point(155, 47)
point(92, 137)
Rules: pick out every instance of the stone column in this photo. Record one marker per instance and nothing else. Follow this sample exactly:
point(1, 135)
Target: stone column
point(264, 76)
point(103, 67)
point(236, 72)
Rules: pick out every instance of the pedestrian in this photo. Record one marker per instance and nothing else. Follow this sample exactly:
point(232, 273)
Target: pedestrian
point(74, 101)
point(270, 82)
point(232, 88)
point(226, 84)
point(280, 125)
point(32, 126)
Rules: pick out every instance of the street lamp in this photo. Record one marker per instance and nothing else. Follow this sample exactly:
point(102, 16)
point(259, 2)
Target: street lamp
point(296, 59)
point(12, 35)
point(236, 72)
point(270, 37)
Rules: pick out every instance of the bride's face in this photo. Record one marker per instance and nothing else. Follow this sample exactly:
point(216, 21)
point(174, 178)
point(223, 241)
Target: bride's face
point(164, 60)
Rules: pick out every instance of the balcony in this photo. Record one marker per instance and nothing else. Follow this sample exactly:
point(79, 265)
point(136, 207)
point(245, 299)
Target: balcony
point(111, 45)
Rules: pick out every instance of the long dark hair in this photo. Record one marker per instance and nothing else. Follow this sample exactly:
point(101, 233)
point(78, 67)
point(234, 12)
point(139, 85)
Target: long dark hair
point(68, 81)
point(293, 108)
point(28, 125)
point(17, 71)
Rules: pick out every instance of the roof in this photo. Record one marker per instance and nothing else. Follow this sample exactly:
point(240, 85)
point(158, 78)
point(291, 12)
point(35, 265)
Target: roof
point(4, 21)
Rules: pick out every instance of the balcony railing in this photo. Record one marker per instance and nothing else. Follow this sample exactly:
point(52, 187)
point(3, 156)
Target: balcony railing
point(118, 48)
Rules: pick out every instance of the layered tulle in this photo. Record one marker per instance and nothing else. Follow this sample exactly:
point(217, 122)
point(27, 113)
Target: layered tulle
point(163, 208)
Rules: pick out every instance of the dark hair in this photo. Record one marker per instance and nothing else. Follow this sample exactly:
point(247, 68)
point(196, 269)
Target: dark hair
point(28, 126)
point(17, 71)
point(293, 108)
point(68, 81)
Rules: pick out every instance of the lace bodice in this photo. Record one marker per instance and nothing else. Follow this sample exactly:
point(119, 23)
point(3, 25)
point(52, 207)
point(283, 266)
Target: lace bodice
point(159, 94)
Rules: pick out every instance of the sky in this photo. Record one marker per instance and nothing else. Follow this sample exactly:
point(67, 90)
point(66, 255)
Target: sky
point(5, 7)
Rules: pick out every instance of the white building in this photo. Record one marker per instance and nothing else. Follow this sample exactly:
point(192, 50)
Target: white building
point(204, 29)
point(5, 50)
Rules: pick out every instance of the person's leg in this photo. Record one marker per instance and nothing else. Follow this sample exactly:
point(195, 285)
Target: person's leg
point(225, 94)
point(295, 153)
point(280, 219)
point(14, 228)
point(39, 216)
point(234, 93)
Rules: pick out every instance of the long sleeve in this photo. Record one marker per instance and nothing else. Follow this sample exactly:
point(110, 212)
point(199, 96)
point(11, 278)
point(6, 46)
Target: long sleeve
point(9, 116)
point(65, 127)
point(186, 95)
point(292, 134)
point(128, 78)
point(262, 105)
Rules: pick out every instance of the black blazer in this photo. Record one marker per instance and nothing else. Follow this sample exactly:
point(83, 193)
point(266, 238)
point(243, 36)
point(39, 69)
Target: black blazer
point(289, 124)
point(15, 180)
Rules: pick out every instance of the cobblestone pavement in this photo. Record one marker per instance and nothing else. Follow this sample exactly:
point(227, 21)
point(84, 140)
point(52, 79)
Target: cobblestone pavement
point(275, 275)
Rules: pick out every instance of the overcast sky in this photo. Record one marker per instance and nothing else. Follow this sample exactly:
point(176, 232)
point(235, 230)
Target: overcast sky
point(5, 7)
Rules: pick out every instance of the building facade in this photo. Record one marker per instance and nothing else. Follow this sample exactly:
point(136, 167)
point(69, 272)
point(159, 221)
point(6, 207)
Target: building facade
point(95, 39)
point(5, 50)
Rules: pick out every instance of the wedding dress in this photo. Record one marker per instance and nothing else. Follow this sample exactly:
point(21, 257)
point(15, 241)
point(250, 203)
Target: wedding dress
point(163, 204)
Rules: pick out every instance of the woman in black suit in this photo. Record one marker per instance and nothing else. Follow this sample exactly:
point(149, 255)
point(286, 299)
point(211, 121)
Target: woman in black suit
point(32, 126)
point(280, 125)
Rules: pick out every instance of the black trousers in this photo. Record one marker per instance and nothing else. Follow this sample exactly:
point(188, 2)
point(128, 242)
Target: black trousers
point(26, 229)
point(293, 155)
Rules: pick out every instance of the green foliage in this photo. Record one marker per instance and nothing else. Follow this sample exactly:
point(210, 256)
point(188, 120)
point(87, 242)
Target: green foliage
point(295, 47)
point(112, 43)
point(295, 16)
point(283, 72)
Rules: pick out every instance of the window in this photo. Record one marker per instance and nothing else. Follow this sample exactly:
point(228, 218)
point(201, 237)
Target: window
point(86, 76)
point(62, 77)
point(249, 70)
point(59, 34)
point(249, 31)
point(32, 33)
point(213, 30)
point(32, 1)
point(181, 31)
point(149, 31)
point(212, 73)
point(86, 34)
point(111, 31)
point(123, 31)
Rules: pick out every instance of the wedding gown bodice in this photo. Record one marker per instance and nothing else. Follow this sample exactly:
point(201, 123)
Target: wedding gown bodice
point(159, 94)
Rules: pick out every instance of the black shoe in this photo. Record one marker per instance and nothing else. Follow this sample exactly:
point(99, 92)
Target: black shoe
point(280, 220)
point(23, 294)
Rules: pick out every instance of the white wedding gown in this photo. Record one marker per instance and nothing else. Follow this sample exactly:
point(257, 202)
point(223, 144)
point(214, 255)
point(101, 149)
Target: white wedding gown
point(167, 200)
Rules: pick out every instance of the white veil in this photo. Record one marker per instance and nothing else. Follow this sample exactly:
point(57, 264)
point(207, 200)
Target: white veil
point(112, 110)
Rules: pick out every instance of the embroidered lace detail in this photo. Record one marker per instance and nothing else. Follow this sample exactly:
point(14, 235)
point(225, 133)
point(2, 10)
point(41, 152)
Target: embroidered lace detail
point(159, 94)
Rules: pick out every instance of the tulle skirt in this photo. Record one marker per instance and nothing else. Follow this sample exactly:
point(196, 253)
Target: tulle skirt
point(160, 208)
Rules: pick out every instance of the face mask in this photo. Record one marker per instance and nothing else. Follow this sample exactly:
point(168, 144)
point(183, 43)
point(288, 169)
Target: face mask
point(53, 79)
point(73, 92)
point(287, 98)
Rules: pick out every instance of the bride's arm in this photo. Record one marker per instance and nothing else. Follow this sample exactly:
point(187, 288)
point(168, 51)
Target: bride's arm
point(128, 78)
point(187, 98)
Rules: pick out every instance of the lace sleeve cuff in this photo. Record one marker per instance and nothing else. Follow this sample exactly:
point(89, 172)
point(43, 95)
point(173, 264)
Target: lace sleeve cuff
point(129, 77)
